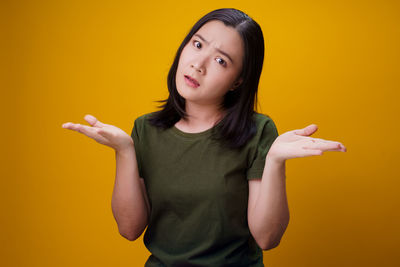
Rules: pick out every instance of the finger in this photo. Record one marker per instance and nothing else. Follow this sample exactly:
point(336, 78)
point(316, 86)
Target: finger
point(84, 129)
point(69, 125)
point(323, 145)
point(344, 149)
point(310, 129)
point(337, 146)
point(315, 152)
point(92, 120)
point(66, 125)
point(306, 152)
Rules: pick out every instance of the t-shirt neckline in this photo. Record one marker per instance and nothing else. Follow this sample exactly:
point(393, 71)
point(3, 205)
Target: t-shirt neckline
point(192, 135)
point(205, 133)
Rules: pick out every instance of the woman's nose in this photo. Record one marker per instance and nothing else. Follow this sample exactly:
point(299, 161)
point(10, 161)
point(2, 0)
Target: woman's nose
point(199, 65)
point(197, 68)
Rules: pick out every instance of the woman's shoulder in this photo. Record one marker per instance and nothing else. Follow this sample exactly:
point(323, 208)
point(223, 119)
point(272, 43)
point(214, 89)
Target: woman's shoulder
point(262, 119)
point(143, 117)
point(265, 125)
point(141, 122)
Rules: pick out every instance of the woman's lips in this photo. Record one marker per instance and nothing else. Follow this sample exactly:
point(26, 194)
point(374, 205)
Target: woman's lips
point(191, 81)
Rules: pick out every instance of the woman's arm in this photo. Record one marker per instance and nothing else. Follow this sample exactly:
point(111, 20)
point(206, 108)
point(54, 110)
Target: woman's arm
point(129, 203)
point(268, 211)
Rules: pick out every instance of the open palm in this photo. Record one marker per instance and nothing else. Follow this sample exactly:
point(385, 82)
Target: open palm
point(297, 143)
point(103, 133)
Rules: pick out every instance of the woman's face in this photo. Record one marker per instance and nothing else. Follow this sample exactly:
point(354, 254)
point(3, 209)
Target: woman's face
point(213, 57)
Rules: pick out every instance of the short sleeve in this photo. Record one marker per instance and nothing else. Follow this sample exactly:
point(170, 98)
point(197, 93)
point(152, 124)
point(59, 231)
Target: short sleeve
point(266, 137)
point(135, 134)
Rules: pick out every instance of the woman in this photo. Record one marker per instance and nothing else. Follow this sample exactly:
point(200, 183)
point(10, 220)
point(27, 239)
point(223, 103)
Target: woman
point(206, 173)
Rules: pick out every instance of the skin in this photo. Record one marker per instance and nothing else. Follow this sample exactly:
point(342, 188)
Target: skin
point(215, 72)
point(268, 213)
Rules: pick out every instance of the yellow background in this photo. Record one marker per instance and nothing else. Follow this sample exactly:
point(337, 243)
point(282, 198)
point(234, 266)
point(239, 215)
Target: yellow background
point(332, 63)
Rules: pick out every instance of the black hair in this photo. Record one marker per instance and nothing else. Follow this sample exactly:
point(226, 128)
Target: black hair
point(237, 126)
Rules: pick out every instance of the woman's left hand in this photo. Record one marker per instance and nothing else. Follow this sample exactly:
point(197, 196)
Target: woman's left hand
point(297, 143)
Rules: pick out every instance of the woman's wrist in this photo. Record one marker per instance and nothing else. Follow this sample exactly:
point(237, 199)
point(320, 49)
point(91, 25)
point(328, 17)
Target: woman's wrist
point(126, 149)
point(275, 160)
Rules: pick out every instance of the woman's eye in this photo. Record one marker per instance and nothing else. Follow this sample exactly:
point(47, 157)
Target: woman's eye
point(197, 44)
point(221, 61)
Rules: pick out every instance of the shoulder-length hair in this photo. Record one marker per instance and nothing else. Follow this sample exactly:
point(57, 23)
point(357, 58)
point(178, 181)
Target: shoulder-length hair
point(237, 127)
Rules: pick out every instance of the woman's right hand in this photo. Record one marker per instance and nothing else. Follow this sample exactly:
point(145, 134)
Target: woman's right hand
point(102, 133)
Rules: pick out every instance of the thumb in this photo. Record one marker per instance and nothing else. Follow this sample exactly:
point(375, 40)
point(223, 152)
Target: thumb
point(309, 130)
point(93, 121)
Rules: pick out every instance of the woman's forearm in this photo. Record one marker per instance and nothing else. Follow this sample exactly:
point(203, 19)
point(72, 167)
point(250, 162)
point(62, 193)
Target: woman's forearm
point(271, 212)
point(128, 203)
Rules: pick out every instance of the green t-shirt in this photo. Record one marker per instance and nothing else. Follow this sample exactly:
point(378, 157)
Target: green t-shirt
point(198, 193)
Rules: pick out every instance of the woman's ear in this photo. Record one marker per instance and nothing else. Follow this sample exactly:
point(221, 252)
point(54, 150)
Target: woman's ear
point(237, 83)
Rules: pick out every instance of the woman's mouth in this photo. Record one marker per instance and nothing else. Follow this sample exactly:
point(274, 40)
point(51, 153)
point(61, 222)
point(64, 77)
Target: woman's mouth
point(191, 81)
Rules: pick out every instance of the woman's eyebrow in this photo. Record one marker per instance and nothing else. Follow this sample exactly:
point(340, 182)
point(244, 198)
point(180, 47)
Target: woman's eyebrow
point(219, 50)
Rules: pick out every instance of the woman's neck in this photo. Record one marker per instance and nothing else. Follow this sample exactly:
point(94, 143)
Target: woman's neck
point(200, 118)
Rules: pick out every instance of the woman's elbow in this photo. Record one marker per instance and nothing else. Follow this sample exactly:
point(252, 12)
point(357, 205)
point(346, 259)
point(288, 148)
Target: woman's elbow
point(269, 241)
point(130, 235)
point(274, 240)
point(270, 245)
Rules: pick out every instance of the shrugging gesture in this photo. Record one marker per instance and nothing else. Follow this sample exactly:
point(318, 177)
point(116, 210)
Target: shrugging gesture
point(298, 143)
